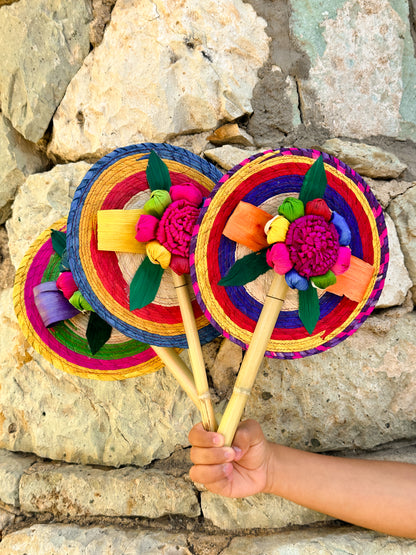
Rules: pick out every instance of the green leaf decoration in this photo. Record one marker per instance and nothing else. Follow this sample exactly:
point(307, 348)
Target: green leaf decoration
point(98, 332)
point(246, 269)
point(157, 173)
point(309, 310)
point(314, 182)
point(58, 241)
point(145, 284)
point(64, 264)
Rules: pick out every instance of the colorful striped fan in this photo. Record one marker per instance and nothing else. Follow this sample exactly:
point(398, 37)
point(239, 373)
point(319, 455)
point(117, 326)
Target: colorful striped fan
point(264, 314)
point(64, 344)
point(116, 273)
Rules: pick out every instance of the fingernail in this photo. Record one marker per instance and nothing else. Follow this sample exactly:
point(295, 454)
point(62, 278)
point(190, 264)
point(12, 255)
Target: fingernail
point(238, 452)
point(217, 440)
point(229, 454)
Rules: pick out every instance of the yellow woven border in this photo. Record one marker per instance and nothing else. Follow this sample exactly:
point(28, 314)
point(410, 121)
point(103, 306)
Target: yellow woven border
point(50, 355)
point(204, 232)
point(99, 190)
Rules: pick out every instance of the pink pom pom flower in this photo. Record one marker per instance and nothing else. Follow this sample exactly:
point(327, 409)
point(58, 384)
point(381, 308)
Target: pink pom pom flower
point(318, 207)
point(66, 284)
point(188, 192)
point(176, 226)
point(146, 228)
point(343, 261)
point(179, 264)
point(278, 258)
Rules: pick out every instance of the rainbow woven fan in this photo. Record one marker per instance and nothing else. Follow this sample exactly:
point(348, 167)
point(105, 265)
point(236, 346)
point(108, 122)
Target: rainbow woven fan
point(265, 181)
point(288, 259)
point(119, 182)
point(57, 330)
point(129, 231)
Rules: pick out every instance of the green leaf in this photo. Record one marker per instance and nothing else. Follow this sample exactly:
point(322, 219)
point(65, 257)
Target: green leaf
point(157, 173)
point(98, 332)
point(58, 241)
point(246, 269)
point(314, 182)
point(309, 310)
point(145, 284)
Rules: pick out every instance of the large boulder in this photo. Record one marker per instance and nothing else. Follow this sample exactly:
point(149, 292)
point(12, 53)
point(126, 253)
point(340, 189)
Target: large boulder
point(162, 69)
point(363, 71)
point(43, 44)
point(403, 211)
point(18, 159)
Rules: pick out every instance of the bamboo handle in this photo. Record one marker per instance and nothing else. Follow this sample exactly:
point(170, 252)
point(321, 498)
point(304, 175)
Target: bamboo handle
point(253, 358)
point(180, 371)
point(195, 353)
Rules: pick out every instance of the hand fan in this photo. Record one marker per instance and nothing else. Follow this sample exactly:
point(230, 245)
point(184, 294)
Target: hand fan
point(124, 279)
point(288, 258)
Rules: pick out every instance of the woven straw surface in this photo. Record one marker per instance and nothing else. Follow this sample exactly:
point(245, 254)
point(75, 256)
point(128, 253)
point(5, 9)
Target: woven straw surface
point(265, 180)
point(65, 345)
point(118, 181)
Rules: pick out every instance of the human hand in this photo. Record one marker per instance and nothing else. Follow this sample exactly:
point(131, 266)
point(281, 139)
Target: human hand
point(236, 471)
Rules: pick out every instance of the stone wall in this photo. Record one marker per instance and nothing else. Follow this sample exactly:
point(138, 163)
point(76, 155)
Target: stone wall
point(101, 467)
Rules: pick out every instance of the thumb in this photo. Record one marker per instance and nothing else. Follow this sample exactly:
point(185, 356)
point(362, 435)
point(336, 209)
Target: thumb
point(248, 434)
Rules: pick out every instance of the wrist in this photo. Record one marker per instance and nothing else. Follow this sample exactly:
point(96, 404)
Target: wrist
point(271, 467)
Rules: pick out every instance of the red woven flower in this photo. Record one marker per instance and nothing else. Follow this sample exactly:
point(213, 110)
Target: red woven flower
point(313, 245)
point(175, 227)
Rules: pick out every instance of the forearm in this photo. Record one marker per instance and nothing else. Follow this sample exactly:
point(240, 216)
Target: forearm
point(374, 494)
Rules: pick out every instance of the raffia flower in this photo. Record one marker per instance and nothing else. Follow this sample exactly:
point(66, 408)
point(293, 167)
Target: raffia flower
point(314, 247)
point(175, 227)
point(173, 231)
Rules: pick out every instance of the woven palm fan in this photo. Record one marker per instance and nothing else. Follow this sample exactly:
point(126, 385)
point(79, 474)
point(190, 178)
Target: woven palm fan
point(57, 330)
point(139, 285)
point(316, 223)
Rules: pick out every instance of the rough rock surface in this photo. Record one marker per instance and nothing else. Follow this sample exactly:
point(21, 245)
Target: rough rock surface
point(317, 542)
point(6, 266)
point(228, 156)
point(403, 211)
point(276, 107)
point(12, 467)
point(307, 403)
point(397, 282)
point(101, 10)
point(226, 366)
point(257, 511)
point(56, 539)
point(68, 491)
point(385, 191)
point(362, 76)
point(43, 45)
point(191, 66)
point(368, 161)
point(43, 199)
point(113, 423)
point(230, 133)
point(18, 159)
point(6, 519)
